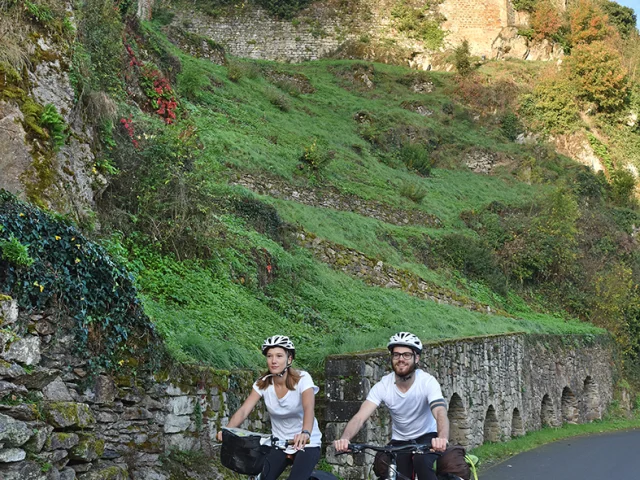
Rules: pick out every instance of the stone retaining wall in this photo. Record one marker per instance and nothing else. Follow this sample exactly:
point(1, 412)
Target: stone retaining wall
point(58, 423)
point(496, 387)
point(332, 198)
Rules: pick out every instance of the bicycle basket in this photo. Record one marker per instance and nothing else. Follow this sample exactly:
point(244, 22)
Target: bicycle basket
point(242, 451)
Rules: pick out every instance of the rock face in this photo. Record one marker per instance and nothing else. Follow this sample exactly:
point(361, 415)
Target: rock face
point(15, 157)
point(73, 179)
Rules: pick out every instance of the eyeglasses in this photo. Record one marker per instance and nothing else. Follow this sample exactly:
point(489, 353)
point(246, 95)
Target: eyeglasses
point(405, 355)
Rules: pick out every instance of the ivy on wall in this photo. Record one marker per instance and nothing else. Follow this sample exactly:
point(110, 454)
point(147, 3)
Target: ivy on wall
point(46, 262)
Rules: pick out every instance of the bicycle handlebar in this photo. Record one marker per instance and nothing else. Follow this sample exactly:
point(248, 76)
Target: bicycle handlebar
point(415, 448)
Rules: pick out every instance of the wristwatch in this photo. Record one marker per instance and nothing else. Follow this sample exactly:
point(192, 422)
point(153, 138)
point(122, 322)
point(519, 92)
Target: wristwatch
point(307, 432)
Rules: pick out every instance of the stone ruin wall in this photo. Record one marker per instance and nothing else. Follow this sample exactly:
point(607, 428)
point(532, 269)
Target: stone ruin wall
point(496, 387)
point(323, 28)
point(58, 423)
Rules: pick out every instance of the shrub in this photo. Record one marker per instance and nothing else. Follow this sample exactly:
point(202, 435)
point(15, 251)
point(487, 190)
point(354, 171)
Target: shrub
point(237, 70)
point(74, 276)
point(601, 78)
point(623, 185)
point(192, 80)
point(462, 59)
point(473, 258)
point(278, 99)
point(315, 157)
point(524, 5)
point(416, 157)
point(413, 191)
point(511, 126)
point(623, 18)
point(551, 106)
point(101, 33)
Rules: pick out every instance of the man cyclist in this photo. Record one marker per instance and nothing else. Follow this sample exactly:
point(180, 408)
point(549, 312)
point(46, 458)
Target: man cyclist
point(418, 410)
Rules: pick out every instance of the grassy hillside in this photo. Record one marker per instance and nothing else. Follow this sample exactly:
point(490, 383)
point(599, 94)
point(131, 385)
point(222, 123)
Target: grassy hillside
point(217, 170)
point(210, 291)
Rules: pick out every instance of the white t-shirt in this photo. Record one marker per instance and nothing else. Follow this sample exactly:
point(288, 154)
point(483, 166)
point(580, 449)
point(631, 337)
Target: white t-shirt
point(287, 412)
point(411, 416)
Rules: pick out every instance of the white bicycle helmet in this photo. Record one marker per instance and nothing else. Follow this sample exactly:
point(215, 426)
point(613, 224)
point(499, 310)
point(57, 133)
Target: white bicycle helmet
point(405, 339)
point(281, 341)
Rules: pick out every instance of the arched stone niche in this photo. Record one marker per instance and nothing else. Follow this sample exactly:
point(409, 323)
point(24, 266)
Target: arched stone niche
point(591, 399)
point(491, 426)
point(547, 413)
point(459, 429)
point(569, 407)
point(517, 426)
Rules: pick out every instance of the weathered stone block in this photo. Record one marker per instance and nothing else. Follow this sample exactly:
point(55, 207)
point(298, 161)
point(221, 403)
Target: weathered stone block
point(57, 391)
point(342, 411)
point(105, 390)
point(176, 423)
point(9, 455)
point(114, 472)
point(25, 350)
point(28, 470)
point(67, 414)
point(8, 306)
point(13, 433)
point(62, 440)
point(89, 448)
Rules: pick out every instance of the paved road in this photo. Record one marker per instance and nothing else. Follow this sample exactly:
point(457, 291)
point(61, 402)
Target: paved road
point(610, 456)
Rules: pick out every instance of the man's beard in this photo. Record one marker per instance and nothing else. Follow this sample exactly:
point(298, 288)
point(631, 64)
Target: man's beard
point(408, 373)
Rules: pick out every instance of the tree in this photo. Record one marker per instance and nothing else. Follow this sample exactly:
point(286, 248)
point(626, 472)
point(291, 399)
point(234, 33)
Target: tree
point(545, 21)
point(462, 59)
point(598, 72)
point(588, 23)
point(623, 18)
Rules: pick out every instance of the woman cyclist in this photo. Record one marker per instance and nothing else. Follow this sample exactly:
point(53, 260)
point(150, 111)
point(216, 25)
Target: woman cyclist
point(289, 396)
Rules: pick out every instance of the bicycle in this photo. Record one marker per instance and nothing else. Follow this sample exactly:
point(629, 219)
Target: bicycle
point(413, 449)
point(244, 452)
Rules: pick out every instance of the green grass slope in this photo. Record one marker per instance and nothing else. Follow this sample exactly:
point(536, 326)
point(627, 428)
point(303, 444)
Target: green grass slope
point(220, 270)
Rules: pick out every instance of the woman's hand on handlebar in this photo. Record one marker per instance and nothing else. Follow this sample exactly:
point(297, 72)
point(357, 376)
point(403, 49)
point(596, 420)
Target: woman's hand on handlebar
point(439, 444)
point(300, 440)
point(341, 445)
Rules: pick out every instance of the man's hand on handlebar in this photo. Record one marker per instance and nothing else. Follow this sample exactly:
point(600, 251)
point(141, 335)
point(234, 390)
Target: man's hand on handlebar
point(439, 444)
point(341, 445)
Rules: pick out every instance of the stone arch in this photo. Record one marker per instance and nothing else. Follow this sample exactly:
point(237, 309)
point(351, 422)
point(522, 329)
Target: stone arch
point(459, 429)
point(569, 406)
point(491, 426)
point(591, 399)
point(517, 426)
point(547, 412)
